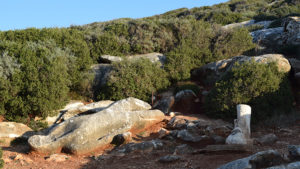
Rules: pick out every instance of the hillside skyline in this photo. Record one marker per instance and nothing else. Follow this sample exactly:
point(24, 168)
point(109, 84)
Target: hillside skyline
point(32, 13)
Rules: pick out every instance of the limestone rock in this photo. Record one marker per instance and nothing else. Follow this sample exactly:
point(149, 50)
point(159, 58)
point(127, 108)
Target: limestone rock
point(265, 24)
point(262, 159)
point(294, 165)
point(236, 137)
point(83, 134)
point(12, 130)
point(268, 37)
point(153, 57)
point(74, 108)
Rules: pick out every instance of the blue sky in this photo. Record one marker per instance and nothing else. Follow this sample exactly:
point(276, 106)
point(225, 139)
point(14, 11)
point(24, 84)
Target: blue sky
point(21, 14)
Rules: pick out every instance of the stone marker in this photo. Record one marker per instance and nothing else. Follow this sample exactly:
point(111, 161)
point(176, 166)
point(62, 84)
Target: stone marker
point(241, 133)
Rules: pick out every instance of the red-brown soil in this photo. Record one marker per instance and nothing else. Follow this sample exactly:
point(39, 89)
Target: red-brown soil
point(147, 160)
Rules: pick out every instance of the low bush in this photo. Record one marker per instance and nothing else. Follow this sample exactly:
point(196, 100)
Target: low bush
point(137, 79)
point(1, 161)
point(261, 86)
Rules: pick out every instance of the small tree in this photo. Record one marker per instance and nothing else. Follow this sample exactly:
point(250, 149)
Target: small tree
point(137, 79)
point(261, 86)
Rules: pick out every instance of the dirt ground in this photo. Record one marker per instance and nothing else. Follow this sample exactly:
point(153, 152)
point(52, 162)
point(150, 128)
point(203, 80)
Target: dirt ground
point(149, 160)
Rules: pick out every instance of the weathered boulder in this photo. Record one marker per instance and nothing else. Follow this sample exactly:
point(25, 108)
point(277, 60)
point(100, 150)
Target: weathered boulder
point(164, 104)
point(12, 130)
point(211, 72)
point(291, 33)
point(83, 134)
point(267, 139)
point(153, 57)
point(295, 64)
point(268, 37)
point(262, 159)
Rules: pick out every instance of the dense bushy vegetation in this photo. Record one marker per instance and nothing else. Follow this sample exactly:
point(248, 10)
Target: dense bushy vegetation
point(261, 86)
point(1, 161)
point(36, 78)
point(40, 69)
point(137, 79)
point(238, 11)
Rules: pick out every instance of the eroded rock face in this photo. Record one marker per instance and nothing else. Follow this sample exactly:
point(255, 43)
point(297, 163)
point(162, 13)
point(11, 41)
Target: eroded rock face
point(12, 130)
point(83, 134)
point(213, 71)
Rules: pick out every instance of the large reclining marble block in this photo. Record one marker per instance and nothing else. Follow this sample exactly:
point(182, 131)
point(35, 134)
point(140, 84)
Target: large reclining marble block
point(84, 134)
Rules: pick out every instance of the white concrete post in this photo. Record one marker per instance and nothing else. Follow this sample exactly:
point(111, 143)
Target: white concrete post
point(244, 119)
point(241, 134)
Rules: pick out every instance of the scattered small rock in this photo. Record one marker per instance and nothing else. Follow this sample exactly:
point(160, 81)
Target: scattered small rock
point(267, 139)
point(122, 138)
point(177, 123)
point(163, 132)
point(169, 158)
point(183, 149)
point(57, 158)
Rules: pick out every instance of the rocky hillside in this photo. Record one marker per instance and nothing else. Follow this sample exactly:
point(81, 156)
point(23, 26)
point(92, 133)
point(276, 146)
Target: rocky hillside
point(156, 92)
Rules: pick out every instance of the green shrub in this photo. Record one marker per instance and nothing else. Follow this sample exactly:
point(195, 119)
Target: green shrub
point(137, 79)
point(261, 86)
point(232, 43)
point(38, 82)
point(193, 51)
point(1, 161)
